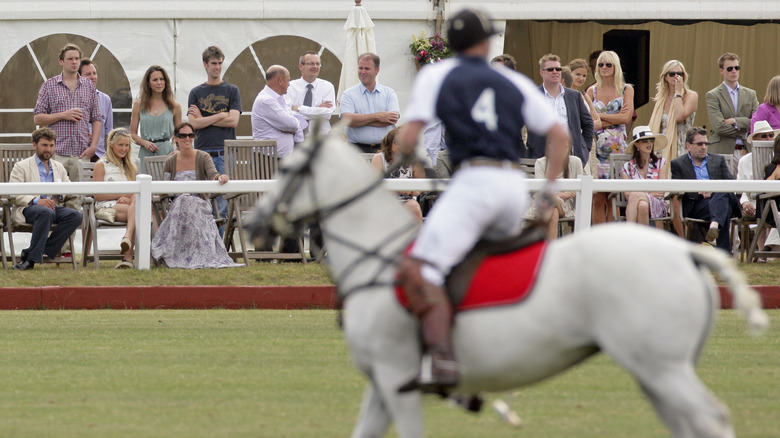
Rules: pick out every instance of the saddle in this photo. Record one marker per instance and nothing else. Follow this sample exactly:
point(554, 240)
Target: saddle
point(495, 273)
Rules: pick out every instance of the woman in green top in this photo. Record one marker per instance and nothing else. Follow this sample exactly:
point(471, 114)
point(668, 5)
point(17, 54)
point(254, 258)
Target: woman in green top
point(157, 112)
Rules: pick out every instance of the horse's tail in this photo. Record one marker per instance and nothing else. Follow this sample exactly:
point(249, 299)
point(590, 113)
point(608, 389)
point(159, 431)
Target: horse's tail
point(746, 299)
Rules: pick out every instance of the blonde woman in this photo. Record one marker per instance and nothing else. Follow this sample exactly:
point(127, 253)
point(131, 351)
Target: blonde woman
point(675, 107)
point(116, 165)
point(769, 109)
point(614, 102)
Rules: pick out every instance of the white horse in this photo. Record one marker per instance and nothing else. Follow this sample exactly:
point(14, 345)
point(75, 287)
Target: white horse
point(644, 297)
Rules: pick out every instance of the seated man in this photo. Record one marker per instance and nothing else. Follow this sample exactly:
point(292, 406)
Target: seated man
point(761, 132)
point(44, 210)
point(718, 208)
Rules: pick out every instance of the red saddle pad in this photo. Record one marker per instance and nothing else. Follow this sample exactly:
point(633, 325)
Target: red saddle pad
point(500, 280)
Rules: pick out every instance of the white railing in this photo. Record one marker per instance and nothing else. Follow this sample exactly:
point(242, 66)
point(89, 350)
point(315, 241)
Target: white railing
point(144, 187)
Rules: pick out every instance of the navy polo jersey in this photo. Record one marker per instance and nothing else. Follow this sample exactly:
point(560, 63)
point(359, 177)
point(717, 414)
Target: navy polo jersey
point(483, 108)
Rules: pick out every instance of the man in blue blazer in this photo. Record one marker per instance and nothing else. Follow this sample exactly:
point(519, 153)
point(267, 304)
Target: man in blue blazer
point(718, 208)
point(570, 108)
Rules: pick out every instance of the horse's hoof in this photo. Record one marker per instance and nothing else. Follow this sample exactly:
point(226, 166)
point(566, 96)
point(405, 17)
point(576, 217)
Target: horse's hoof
point(471, 403)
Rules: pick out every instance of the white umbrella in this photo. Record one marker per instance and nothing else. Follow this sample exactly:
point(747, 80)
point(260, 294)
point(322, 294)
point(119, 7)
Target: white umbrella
point(360, 39)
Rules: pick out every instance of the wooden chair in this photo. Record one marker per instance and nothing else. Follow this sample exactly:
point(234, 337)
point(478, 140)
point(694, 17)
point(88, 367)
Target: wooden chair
point(250, 160)
point(154, 167)
point(762, 152)
point(10, 154)
point(92, 224)
point(619, 200)
point(527, 166)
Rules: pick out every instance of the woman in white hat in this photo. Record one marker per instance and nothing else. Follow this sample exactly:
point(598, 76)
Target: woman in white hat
point(645, 164)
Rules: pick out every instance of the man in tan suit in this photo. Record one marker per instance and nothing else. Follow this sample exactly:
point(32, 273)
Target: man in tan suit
point(730, 106)
point(44, 210)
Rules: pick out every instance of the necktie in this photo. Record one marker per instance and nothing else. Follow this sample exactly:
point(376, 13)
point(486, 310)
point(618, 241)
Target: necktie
point(307, 98)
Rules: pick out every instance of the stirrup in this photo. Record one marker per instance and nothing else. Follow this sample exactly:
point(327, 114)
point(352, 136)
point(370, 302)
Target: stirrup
point(437, 376)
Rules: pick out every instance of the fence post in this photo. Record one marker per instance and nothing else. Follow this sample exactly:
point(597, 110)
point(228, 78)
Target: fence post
point(583, 204)
point(143, 222)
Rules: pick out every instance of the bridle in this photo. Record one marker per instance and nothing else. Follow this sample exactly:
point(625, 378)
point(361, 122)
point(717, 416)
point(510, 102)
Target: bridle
point(283, 221)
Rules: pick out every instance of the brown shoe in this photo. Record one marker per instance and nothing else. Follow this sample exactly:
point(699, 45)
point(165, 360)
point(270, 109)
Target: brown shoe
point(712, 234)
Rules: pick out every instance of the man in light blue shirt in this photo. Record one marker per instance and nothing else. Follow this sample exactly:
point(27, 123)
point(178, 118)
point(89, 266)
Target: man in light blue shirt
point(43, 210)
point(88, 70)
point(372, 108)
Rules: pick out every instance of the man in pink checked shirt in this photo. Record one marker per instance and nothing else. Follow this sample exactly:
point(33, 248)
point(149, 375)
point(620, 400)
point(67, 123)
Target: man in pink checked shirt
point(68, 104)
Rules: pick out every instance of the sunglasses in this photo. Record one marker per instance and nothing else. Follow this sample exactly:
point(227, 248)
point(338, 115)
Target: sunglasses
point(672, 74)
point(702, 143)
point(552, 69)
point(608, 65)
point(190, 135)
point(733, 67)
point(116, 132)
point(764, 136)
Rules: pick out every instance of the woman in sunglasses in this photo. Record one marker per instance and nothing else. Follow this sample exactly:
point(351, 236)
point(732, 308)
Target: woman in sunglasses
point(117, 165)
point(614, 101)
point(675, 107)
point(188, 237)
point(157, 113)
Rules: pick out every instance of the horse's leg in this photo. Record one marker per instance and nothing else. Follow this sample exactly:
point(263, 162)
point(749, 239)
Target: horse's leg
point(682, 401)
point(674, 422)
point(374, 419)
point(405, 409)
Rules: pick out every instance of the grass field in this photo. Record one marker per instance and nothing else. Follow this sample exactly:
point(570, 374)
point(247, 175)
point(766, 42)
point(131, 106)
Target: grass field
point(288, 274)
point(257, 373)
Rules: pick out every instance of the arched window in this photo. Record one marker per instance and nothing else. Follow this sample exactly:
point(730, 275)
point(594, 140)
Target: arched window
point(30, 66)
point(247, 71)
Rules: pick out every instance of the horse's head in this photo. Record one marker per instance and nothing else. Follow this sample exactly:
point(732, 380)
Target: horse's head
point(309, 183)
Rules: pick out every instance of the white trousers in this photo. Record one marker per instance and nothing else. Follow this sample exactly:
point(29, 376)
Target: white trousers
point(480, 202)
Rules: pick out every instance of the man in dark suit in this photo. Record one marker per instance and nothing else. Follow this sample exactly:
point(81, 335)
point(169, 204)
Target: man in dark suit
point(570, 108)
point(718, 208)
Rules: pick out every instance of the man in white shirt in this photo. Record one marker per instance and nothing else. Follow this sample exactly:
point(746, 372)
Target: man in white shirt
point(272, 119)
point(569, 107)
point(309, 96)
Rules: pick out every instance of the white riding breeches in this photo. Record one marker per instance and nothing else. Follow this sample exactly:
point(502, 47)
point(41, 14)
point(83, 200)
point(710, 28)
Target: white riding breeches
point(481, 202)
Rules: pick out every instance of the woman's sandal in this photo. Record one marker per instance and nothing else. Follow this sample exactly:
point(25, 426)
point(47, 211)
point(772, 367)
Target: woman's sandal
point(125, 264)
point(125, 245)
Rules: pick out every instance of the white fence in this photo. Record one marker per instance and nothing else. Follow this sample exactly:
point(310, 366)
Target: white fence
point(145, 187)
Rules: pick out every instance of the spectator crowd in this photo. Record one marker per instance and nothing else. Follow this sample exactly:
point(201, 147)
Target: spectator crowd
point(600, 118)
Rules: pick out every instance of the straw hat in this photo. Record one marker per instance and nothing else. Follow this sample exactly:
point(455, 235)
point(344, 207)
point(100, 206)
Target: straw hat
point(643, 132)
point(761, 127)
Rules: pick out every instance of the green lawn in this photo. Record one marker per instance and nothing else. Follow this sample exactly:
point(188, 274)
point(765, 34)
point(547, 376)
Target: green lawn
point(261, 373)
point(288, 274)
point(256, 274)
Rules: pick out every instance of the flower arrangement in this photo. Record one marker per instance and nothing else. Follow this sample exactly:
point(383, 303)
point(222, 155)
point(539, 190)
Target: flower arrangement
point(427, 50)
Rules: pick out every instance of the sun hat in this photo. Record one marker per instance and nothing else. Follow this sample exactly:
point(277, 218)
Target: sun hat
point(761, 127)
point(643, 132)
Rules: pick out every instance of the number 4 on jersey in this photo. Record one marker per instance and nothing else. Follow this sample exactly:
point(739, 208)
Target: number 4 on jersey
point(484, 109)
